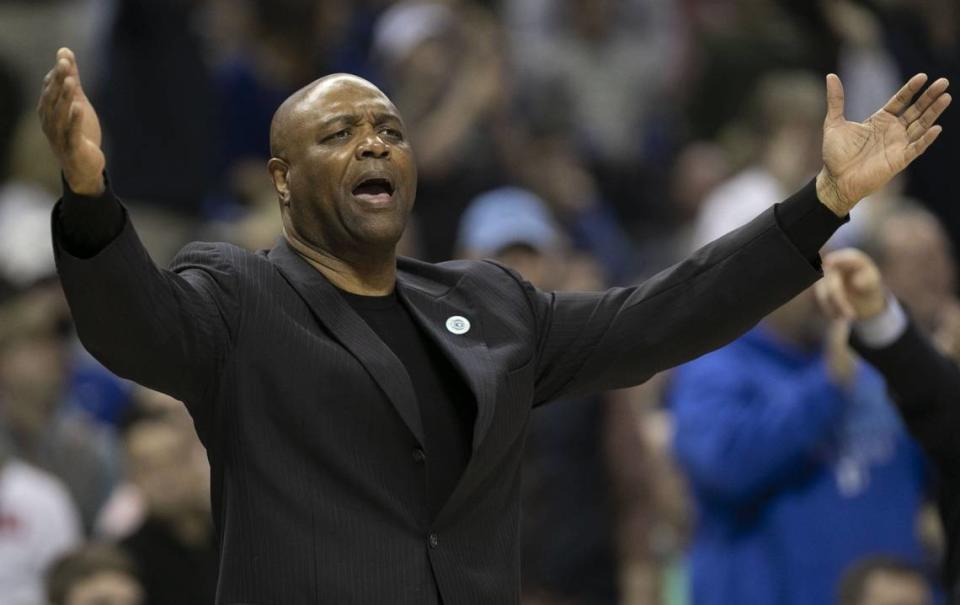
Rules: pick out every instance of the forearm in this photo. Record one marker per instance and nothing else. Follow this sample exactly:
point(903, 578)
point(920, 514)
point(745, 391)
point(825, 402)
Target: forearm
point(621, 337)
point(160, 328)
point(926, 389)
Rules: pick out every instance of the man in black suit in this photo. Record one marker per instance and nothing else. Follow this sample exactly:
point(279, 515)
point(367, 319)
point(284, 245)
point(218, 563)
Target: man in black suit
point(364, 414)
point(925, 383)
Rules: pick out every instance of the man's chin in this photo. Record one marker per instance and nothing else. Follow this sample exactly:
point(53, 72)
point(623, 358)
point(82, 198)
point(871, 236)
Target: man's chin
point(379, 232)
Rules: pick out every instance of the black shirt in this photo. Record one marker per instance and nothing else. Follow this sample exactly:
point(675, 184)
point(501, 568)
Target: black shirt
point(447, 406)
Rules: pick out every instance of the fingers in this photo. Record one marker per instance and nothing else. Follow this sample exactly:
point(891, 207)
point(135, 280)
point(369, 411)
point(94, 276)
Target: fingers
point(928, 118)
point(832, 297)
point(899, 102)
point(835, 98)
point(916, 148)
point(71, 130)
point(65, 54)
point(931, 94)
point(839, 296)
point(850, 277)
point(60, 112)
point(847, 261)
point(60, 90)
point(822, 292)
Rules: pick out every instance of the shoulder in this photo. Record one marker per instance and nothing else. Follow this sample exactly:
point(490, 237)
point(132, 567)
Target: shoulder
point(214, 255)
point(486, 273)
point(484, 280)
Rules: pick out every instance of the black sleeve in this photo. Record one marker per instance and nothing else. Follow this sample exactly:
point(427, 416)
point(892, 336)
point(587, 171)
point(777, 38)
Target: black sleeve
point(595, 341)
point(926, 388)
point(169, 330)
point(807, 222)
point(88, 224)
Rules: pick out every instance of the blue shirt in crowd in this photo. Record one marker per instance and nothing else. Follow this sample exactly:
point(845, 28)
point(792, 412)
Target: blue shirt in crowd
point(794, 478)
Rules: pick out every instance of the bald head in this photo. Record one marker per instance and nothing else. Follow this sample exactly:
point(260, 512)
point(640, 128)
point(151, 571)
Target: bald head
point(343, 170)
point(306, 102)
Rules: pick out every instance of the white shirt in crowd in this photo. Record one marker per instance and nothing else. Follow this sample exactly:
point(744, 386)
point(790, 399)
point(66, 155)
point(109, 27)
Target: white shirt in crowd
point(38, 523)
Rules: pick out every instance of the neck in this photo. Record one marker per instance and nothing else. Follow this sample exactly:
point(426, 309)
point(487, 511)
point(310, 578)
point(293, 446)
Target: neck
point(372, 274)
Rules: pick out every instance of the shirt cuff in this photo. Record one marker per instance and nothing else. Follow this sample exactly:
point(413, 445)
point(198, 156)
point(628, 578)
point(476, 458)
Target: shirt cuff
point(882, 330)
point(88, 224)
point(808, 222)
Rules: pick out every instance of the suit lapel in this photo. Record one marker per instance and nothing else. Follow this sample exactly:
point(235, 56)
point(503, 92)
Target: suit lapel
point(432, 305)
point(352, 332)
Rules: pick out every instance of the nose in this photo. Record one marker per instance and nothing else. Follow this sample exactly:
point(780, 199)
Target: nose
point(372, 146)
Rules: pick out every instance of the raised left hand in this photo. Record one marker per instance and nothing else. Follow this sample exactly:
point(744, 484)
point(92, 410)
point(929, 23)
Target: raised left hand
point(861, 157)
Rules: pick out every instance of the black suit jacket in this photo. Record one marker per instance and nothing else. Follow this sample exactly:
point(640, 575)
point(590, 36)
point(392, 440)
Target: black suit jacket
point(311, 423)
point(926, 388)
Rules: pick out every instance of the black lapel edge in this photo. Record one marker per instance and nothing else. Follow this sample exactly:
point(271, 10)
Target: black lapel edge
point(352, 333)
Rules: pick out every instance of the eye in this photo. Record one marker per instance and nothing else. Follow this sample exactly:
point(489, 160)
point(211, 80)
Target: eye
point(393, 133)
point(339, 135)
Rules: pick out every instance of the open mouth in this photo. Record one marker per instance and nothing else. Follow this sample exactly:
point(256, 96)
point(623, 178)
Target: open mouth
point(374, 190)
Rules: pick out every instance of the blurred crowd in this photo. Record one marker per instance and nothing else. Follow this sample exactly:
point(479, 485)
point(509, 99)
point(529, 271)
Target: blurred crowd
point(586, 143)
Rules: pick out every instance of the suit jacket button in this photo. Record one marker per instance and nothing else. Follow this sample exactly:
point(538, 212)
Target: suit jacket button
point(419, 455)
point(433, 540)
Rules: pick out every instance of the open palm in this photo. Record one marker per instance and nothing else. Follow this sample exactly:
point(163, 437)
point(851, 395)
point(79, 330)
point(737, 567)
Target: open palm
point(860, 158)
point(71, 126)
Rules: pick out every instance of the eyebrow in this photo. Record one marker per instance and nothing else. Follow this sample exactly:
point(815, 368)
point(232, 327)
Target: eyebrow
point(352, 119)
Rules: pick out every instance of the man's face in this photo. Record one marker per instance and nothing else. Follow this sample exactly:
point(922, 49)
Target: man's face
point(895, 589)
point(351, 178)
point(912, 242)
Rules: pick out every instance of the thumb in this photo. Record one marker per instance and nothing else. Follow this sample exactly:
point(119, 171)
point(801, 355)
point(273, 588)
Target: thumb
point(73, 134)
point(864, 281)
point(835, 99)
point(847, 261)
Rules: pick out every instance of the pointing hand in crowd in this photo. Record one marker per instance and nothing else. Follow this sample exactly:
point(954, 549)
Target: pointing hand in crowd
point(71, 126)
point(851, 287)
point(861, 157)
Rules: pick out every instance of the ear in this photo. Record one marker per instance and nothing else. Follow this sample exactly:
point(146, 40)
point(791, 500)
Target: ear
point(278, 173)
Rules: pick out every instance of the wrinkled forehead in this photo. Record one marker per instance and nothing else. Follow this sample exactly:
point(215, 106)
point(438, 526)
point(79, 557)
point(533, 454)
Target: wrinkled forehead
point(344, 95)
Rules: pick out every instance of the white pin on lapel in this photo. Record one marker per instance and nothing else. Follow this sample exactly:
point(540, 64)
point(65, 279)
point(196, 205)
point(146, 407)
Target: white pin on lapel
point(458, 324)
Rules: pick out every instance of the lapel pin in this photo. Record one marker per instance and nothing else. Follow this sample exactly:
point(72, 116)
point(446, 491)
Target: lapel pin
point(458, 324)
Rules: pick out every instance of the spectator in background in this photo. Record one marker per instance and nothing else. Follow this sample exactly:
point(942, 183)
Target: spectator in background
point(916, 259)
point(94, 575)
point(156, 87)
point(544, 158)
point(927, 35)
point(884, 581)
point(924, 382)
point(736, 43)
point(174, 547)
point(442, 65)
point(38, 522)
point(613, 63)
point(798, 463)
point(785, 145)
point(586, 506)
point(35, 417)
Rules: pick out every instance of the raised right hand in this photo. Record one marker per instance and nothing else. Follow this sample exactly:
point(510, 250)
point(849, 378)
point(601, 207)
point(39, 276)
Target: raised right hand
point(851, 287)
point(71, 126)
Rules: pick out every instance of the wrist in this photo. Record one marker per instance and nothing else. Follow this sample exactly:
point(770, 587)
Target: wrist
point(884, 328)
point(829, 194)
point(87, 187)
